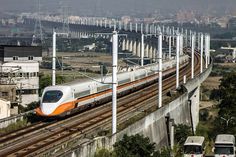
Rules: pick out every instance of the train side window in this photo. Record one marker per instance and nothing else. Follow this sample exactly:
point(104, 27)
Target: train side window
point(82, 94)
point(123, 81)
point(102, 88)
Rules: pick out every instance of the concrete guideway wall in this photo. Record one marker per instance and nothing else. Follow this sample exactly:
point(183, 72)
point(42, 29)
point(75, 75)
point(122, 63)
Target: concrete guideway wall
point(153, 126)
point(193, 88)
point(197, 80)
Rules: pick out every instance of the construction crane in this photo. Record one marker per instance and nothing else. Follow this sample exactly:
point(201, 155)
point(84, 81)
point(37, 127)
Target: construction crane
point(233, 53)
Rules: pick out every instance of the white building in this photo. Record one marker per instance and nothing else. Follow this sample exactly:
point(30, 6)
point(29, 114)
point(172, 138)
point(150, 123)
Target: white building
point(5, 107)
point(20, 66)
point(90, 47)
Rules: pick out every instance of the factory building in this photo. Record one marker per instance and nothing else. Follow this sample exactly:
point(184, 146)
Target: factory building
point(19, 65)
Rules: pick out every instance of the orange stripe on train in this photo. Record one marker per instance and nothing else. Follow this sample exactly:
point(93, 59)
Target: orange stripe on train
point(59, 110)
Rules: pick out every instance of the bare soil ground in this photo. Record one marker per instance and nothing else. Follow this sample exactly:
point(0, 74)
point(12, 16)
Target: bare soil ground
point(232, 65)
point(212, 83)
point(81, 62)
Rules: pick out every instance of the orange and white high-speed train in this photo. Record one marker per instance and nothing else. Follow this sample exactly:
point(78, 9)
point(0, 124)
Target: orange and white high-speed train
point(60, 100)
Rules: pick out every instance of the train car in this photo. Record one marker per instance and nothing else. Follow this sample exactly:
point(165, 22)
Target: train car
point(60, 100)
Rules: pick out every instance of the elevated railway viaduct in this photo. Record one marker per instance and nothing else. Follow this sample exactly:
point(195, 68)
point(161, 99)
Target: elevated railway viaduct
point(156, 123)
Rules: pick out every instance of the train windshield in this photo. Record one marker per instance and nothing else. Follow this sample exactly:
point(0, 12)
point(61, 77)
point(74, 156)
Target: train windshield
point(52, 96)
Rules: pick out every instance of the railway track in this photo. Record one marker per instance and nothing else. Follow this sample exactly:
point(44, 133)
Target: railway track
point(84, 124)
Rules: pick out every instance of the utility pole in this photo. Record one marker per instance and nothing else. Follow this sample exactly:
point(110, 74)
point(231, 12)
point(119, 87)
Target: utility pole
point(54, 56)
point(201, 54)
point(160, 69)
point(114, 80)
point(192, 59)
point(207, 49)
point(177, 60)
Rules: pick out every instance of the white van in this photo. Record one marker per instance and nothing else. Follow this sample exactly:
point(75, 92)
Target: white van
point(224, 145)
point(194, 146)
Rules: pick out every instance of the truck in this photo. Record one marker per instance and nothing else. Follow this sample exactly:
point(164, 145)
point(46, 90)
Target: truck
point(224, 145)
point(194, 146)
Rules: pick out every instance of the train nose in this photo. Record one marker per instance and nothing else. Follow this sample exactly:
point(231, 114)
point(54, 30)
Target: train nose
point(47, 108)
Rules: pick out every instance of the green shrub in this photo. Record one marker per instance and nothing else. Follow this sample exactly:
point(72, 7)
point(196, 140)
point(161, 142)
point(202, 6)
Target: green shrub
point(103, 153)
point(134, 146)
point(203, 115)
point(14, 126)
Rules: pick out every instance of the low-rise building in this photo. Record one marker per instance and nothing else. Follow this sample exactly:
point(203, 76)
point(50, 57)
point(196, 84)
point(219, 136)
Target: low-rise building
point(5, 108)
point(20, 65)
point(90, 47)
point(8, 92)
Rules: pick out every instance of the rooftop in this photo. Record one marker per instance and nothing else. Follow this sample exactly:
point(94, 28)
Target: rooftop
point(225, 139)
point(194, 140)
point(21, 51)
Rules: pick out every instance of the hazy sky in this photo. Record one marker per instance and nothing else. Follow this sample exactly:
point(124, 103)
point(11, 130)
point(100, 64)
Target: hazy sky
point(96, 7)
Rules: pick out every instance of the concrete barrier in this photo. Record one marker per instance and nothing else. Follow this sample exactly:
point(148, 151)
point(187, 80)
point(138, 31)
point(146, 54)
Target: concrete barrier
point(9, 120)
point(153, 126)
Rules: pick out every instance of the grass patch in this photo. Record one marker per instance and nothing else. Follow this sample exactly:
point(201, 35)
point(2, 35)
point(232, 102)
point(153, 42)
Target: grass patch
point(14, 126)
point(205, 129)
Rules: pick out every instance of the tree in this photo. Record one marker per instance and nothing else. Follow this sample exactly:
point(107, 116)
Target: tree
point(215, 94)
point(103, 153)
point(164, 152)
point(182, 131)
point(134, 146)
point(228, 96)
point(31, 106)
point(226, 120)
point(46, 80)
point(203, 115)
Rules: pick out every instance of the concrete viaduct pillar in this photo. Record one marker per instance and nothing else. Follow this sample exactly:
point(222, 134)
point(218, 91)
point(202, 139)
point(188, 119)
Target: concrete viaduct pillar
point(150, 52)
point(154, 56)
point(139, 49)
point(127, 44)
point(146, 50)
point(131, 46)
point(134, 48)
point(194, 100)
point(123, 45)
